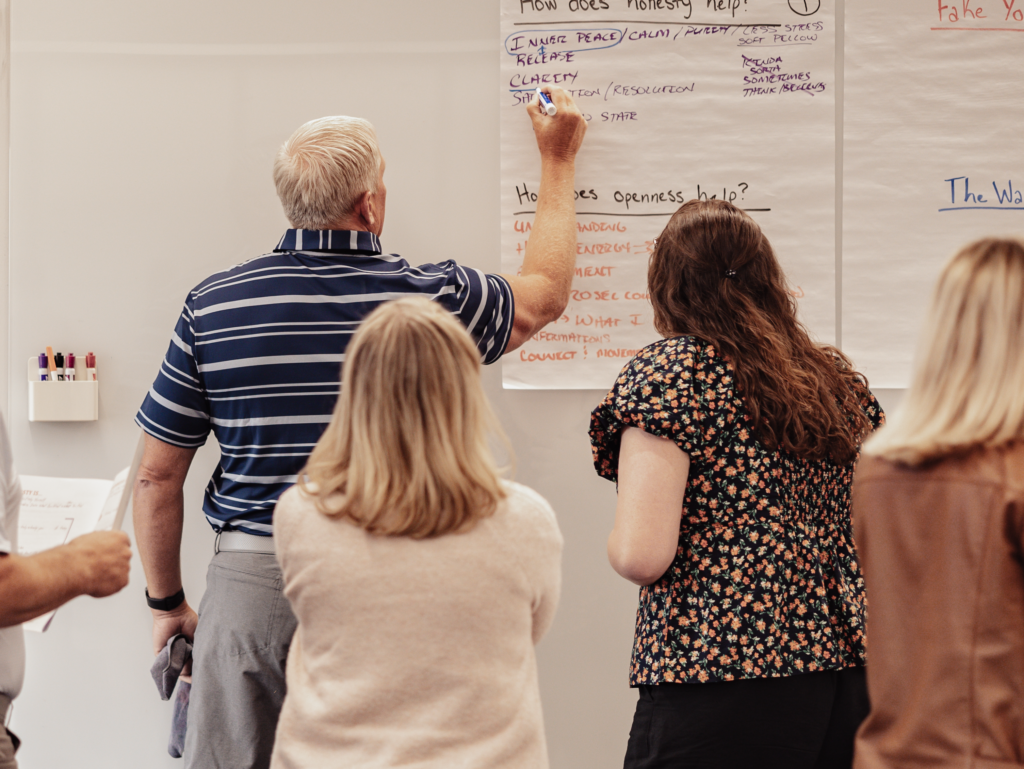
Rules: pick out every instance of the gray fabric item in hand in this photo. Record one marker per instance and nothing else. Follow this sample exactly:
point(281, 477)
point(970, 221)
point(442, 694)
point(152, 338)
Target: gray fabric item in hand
point(169, 663)
point(179, 719)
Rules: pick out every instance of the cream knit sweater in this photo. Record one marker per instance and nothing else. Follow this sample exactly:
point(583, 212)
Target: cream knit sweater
point(416, 653)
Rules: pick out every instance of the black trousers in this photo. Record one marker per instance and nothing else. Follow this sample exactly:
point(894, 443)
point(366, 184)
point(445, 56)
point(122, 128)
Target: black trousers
point(799, 722)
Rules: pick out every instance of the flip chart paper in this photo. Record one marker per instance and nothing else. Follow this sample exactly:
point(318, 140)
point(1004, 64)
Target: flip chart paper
point(53, 512)
point(56, 510)
point(934, 158)
point(685, 99)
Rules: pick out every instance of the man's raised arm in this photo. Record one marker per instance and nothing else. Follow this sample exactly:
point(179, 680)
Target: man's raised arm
point(541, 290)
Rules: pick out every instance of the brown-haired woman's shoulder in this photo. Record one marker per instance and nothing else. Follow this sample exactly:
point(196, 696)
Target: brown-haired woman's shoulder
point(668, 368)
point(870, 406)
point(667, 354)
point(685, 361)
point(675, 388)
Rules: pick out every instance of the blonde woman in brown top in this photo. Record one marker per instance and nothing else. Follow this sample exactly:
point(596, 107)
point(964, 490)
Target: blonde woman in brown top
point(420, 580)
point(939, 523)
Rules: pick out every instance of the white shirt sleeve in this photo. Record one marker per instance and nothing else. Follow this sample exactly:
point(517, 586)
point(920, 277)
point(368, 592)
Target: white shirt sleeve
point(10, 494)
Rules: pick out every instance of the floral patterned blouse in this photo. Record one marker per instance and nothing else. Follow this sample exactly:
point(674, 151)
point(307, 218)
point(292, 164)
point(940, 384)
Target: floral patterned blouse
point(765, 582)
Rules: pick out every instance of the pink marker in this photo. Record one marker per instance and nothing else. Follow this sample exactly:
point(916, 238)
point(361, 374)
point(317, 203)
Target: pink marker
point(90, 367)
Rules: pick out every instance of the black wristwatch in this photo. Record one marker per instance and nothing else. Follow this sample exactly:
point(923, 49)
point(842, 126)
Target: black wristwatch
point(168, 603)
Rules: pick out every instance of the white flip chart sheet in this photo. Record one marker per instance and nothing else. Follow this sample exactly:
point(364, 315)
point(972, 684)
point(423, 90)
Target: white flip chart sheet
point(685, 99)
point(56, 510)
point(934, 158)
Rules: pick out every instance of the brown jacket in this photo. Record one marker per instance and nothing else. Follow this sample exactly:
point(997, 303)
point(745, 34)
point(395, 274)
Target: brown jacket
point(941, 548)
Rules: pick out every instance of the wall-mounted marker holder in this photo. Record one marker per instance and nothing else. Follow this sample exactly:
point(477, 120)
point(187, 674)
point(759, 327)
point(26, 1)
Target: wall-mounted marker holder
point(77, 401)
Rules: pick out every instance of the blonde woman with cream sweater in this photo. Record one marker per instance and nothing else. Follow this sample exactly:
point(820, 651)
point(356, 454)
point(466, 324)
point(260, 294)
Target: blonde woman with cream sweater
point(420, 580)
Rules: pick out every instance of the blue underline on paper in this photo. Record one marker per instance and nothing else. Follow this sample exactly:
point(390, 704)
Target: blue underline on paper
point(983, 208)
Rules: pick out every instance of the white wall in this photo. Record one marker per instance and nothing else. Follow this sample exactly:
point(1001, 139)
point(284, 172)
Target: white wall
point(5, 138)
point(141, 142)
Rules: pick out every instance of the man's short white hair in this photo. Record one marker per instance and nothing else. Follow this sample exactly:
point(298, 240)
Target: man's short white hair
point(323, 169)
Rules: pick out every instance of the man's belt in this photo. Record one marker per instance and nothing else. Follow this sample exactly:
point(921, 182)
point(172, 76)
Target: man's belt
point(240, 542)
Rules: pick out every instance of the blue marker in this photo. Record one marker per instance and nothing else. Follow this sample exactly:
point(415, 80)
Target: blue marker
point(546, 104)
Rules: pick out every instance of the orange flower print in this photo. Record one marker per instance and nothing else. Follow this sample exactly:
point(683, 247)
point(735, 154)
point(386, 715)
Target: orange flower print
point(759, 532)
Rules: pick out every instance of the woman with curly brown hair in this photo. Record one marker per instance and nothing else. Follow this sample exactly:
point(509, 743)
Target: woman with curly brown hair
point(732, 441)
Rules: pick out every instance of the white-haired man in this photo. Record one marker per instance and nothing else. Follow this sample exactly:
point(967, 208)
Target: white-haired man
point(255, 358)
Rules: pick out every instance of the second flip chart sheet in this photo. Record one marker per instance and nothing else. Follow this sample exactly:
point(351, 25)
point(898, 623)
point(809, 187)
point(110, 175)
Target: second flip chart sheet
point(934, 158)
point(727, 99)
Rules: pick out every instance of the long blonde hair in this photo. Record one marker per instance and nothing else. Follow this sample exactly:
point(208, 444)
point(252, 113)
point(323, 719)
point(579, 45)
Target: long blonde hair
point(967, 390)
point(406, 452)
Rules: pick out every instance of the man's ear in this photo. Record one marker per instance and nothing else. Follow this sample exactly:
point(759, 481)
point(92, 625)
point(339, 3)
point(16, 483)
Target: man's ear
point(367, 211)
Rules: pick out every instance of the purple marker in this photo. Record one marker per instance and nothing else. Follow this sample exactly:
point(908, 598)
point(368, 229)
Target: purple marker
point(44, 369)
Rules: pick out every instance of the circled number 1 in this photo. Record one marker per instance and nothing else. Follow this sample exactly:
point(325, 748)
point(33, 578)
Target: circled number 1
point(805, 7)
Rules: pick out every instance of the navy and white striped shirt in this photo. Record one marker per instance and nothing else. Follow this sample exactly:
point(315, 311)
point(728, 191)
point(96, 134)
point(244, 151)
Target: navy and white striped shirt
point(256, 356)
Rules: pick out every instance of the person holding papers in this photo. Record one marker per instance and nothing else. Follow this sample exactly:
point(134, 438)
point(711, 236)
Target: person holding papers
point(93, 564)
point(732, 441)
point(938, 512)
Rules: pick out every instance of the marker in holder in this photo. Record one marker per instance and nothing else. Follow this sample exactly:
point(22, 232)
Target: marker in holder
point(69, 400)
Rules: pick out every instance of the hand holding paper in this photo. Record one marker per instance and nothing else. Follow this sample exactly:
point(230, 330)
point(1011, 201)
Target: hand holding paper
point(70, 526)
point(101, 561)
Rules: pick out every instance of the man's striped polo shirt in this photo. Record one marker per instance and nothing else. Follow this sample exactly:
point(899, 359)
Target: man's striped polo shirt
point(256, 356)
